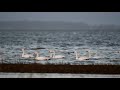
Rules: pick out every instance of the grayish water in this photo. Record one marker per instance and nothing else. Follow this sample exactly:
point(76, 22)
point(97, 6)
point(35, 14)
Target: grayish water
point(103, 44)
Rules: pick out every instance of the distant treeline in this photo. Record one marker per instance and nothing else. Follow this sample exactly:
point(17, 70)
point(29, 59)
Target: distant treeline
point(54, 25)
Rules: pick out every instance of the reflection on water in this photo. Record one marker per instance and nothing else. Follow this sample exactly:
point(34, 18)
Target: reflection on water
point(102, 44)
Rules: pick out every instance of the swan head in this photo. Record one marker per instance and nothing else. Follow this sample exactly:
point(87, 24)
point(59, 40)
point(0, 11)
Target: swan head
point(75, 51)
point(88, 50)
point(23, 49)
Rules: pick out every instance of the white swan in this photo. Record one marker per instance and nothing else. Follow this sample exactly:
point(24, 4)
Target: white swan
point(93, 57)
point(52, 55)
point(26, 55)
point(40, 58)
point(81, 58)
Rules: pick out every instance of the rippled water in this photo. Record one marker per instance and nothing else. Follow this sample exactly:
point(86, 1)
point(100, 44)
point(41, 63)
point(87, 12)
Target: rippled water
point(103, 44)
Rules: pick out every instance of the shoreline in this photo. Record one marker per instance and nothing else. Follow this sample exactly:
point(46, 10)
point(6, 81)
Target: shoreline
point(66, 69)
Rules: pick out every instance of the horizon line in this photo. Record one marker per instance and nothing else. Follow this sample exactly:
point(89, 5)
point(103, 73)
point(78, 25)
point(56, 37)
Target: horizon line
point(55, 21)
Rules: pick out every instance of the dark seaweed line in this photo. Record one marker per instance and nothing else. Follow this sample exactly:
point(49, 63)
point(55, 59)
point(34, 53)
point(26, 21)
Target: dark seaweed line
point(49, 68)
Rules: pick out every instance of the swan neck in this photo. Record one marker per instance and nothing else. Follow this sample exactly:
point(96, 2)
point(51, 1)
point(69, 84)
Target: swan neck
point(51, 55)
point(88, 54)
point(23, 52)
point(76, 54)
point(54, 54)
point(37, 55)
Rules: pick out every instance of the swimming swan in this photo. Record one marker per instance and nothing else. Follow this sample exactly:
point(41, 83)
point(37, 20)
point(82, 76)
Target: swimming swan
point(81, 58)
point(26, 55)
point(52, 55)
point(40, 58)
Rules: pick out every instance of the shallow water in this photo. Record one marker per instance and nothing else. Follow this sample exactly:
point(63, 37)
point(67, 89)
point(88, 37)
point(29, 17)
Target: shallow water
point(103, 44)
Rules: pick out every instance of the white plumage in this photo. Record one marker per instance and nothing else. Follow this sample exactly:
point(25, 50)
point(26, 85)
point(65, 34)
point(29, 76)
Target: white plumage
point(24, 55)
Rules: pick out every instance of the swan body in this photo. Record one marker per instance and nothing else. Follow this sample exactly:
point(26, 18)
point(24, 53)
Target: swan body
point(58, 56)
point(40, 58)
point(96, 57)
point(26, 55)
point(52, 55)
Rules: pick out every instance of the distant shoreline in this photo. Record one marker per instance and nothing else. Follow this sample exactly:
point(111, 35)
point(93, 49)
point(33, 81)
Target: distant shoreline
point(57, 30)
point(55, 25)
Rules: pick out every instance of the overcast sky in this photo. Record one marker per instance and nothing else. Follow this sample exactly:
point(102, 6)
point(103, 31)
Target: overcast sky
point(88, 17)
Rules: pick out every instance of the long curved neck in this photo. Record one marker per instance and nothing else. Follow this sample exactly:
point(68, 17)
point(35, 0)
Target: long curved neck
point(37, 54)
point(76, 54)
point(89, 55)
point(23, 52)
point(53, 54)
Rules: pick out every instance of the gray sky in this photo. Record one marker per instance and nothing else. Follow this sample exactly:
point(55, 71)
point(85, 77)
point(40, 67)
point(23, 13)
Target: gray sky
point(88, 17)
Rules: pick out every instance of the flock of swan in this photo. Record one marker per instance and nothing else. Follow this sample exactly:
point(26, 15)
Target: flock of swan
point(52, 55)
point(37, 57)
